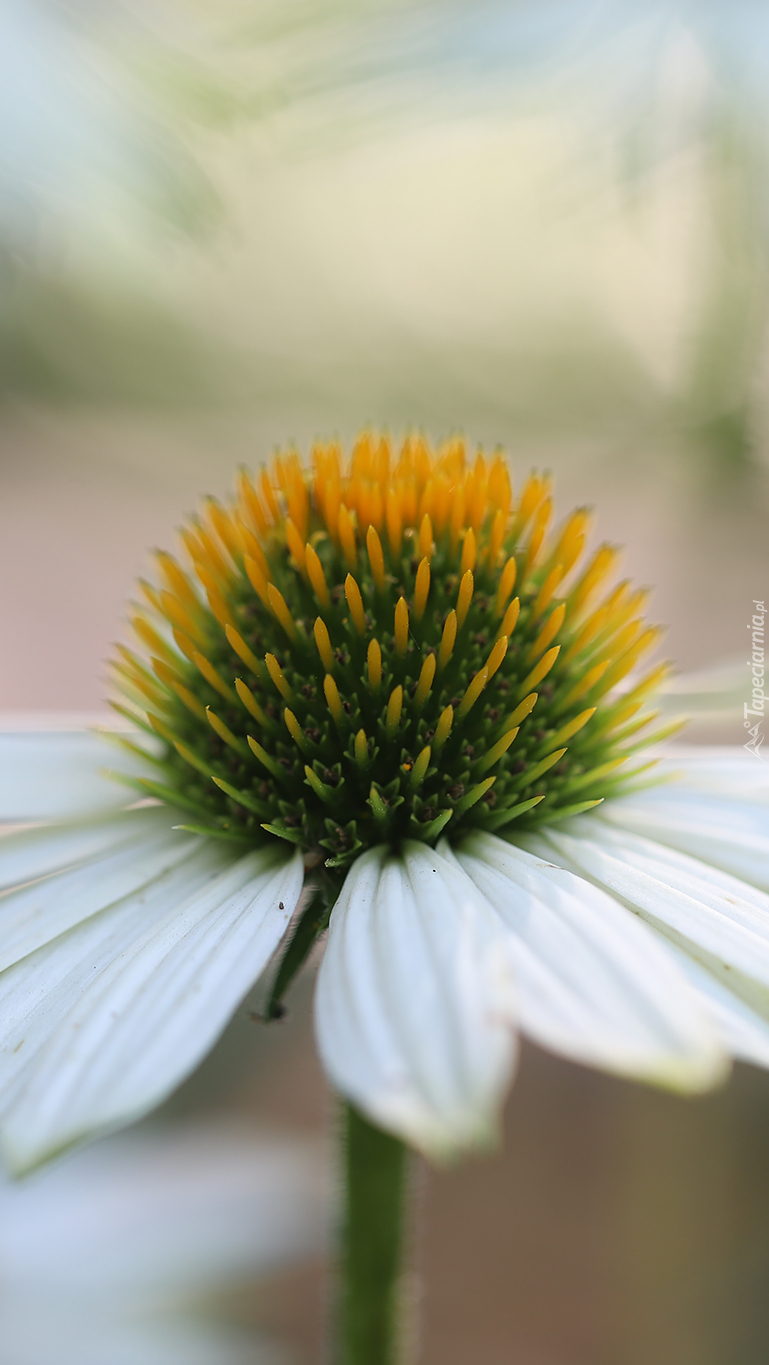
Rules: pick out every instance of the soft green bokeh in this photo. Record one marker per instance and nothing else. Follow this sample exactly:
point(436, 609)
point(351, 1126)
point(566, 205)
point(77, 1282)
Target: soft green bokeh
point(540, 219)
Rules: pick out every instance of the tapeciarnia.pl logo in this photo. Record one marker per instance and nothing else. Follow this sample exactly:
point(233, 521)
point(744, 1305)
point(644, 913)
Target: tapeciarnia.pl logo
point(757, 704)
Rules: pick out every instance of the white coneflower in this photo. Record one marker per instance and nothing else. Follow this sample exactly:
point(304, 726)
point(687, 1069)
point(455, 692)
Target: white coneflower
point(396, 680)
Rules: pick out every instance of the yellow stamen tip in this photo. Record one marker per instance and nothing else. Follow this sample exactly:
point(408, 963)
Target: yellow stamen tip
point(249, 701)
point(421, 589)
point(257, 578)
point(374, 664)
point(473, 692)
point(223, 731)
point(276, 673)
point(212, 676)
point(346, 532)
point(541, 669)
point(426, 538)
point(497, 750)
point(420, 767)
point(426, 677)
point(294, 728)
point(376, 558)
point(510, 619)
point(361, 748)
point(506, 584)
point(448, 640)
point(323, 643)
point(355, 603)
point(465, 595)
point(394, 708)
point(334, 700)
point(548, 632)
point(469, 551)
point(244, 653)
point(401, 626)
point(523, 709)
point(497, 655)
point(295, 544)
point(443, 728)
point(279, 607)
point(316, 576)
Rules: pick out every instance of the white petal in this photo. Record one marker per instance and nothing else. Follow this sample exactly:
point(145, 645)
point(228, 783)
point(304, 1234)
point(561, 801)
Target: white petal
point(37, 994)
point(718, 925)
point(729, 834)
point(31, 853)
point(154, 1003)
point(724, 770)
point(151, 1214)
point(593, 983)
point(709, 908)
point(44, 909)
point(59, 774)
point(743, 1029)
point(415, 1000)
point(35, 1331)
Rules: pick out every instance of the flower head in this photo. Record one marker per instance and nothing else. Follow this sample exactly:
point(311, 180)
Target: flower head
point(399, 683)
point(390, 651)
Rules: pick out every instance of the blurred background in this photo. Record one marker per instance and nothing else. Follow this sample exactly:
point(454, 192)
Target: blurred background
point(546, 224)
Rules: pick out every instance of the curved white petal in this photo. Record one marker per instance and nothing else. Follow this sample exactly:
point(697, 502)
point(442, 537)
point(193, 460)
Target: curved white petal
point(42, 910)
point(415, 1000)
point(702, 905)
point(58, 774)
point(593, 982)
point(141, 1003)
point(37, 994)
point(718, 924)
point(744, 1028)
point(729, 834)
point(31, 853)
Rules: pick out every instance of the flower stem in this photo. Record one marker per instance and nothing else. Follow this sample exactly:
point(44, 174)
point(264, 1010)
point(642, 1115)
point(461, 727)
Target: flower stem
point(373, 1241)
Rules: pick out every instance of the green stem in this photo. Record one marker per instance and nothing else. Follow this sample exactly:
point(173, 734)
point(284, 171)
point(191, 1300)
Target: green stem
point(373, 1242)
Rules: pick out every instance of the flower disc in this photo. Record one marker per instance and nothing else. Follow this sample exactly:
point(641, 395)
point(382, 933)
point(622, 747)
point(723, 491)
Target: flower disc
point(396, 649)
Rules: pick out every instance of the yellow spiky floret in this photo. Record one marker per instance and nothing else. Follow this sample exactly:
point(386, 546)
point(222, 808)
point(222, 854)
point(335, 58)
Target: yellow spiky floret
point(397, 625)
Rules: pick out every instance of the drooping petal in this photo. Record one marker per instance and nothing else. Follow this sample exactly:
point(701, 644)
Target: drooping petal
point(60, 773)
point(115, 1014)
point(415, 1000)
point(729, 834)
point(716, 921)
point(42, 910)
point(593, 982)
point(743, 1027)
point(701, 905)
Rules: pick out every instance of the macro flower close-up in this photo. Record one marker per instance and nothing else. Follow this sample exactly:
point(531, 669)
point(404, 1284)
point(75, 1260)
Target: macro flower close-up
point(394, 699)
point(384, 456)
